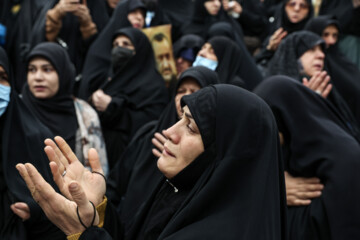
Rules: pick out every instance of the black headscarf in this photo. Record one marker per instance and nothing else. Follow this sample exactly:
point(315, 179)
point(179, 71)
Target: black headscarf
point(317, 142)
point(22, 137)
point(282, 20)
point(58, 112)
point(188, 41)
point(136, 175)
point(245, 170)
point(201, 20)
point(234, 64)
point(285, 62)
point(98, 58)
point(344, 74)
point(344, 12)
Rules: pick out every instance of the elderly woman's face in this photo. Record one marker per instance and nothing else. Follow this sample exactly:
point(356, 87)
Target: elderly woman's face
point(297, 10)
point(187, 86)
point(313, 60)
point(4, 78)
point(42, 78)
point(183, 145)
point(212, 7)
point(136, 18)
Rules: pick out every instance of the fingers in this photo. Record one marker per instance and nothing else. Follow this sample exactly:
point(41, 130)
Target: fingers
point(50, 153)
point(60, 159)
point(156, 152)
point(292, 201)
point(85, 208)
point(327, 91)
point(94, 160)
point(59, 180)
point(157, 144)
point(305, 82)
point(21, 209)
point(66, 150)
point(24, 174)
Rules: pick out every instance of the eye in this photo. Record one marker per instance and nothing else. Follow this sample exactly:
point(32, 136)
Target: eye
point(192, 131)
point(48, 69)
point(31, 69)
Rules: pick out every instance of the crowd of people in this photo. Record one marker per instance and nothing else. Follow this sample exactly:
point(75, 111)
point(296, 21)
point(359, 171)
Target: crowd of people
point(244, 123)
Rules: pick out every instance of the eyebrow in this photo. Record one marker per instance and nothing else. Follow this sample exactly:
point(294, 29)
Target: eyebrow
point(189, 116)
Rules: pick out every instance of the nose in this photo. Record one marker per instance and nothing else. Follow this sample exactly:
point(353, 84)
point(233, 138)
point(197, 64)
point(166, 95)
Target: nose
point(320, 54)
point(202, 53)
point(331, 40)
point(172, 133)
point(217, 3)
point(38, 75)
point(297, 7)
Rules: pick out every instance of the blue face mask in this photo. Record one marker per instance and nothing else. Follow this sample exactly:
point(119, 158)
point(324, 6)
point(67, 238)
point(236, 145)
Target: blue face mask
point(201, 61)
point(4, 98)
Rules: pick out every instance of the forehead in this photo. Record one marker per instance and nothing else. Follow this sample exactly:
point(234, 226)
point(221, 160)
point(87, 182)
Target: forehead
point(331, 28)
point(39, 61)
point(189, 82)
point(122, 38)
point(2, 70)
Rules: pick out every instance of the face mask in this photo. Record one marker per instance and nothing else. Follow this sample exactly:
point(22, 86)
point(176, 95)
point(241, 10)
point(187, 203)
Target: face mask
point(120, 56)
point(201, 61)
point(4, 98)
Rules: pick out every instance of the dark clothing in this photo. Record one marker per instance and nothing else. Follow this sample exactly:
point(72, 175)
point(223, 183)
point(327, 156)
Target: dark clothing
point(136, 175)
point(235, 65)
point(317, 142)
point(58, 112)
point(229, 183)
point(22, 136)
point(138, 96)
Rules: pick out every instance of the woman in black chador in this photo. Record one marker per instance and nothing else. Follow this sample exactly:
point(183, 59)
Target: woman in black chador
point(20, 133)
point(317, 143)
point(222, 177)
point(134, 95)
point(135, 175)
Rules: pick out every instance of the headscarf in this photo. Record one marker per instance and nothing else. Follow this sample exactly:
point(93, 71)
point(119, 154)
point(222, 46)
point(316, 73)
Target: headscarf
point(136, 175)
point(58, 112)
point(22, 137)
point(317, 142)
point(234, 64)
point(189, 41)
point(98, 58)
point(344, 74)
point(245, 169)
point(282, 20)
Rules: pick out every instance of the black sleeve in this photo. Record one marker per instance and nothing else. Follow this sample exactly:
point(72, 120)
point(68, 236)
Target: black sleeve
point(253, 22)
point(114, 112)
point(95, 233)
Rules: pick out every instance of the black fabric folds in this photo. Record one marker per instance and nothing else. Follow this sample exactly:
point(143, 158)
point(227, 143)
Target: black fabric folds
point(235, 64)
point(58, 112)
point(22, 136)
point(136, 175)
point(317, 142)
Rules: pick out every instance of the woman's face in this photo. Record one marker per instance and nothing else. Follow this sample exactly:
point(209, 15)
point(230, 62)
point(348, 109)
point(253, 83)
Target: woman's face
point(208, 52)
point(181, 65)
point(136, 18)
point(212, 7)
point(42, 78)
point(297, 10)
point(313, 60)
point(330, 35)
point(187, 86)
point(183, 145)
point(123, 41)
point(4, 78)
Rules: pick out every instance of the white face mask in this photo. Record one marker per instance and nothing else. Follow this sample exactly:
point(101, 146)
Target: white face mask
point(4, 98)
point(201, 61)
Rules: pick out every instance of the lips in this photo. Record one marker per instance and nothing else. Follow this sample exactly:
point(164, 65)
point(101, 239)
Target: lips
point(166, 151)
point(39, 88)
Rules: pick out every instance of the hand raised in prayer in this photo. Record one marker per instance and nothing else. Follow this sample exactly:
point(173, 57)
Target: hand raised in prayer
point(276, 39)
point(61, 211)
point(300, 190)
point(158, 142)
point(67, 6)
point(21, 209)
point(319, 83)
point(100, 100)
point(66, 168)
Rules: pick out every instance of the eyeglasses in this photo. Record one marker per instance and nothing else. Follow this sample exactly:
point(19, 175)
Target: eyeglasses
point(302, 6)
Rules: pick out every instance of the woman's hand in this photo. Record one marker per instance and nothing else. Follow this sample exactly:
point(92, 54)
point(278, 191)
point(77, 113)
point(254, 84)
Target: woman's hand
point(101, 100)
point(319, 83)
point(59, 210)
point(276, 39)
point(66, 168)
point(300, 190)
point(232, 6)
point(158, 142)
point(21, 209)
